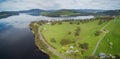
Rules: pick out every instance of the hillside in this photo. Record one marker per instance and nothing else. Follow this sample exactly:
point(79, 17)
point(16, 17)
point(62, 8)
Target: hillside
point(60, 13)
point(110, 13)
point(33, 12)
point(7, 14)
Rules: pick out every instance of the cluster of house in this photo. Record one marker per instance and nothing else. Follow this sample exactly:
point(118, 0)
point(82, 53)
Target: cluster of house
point(103, 55)
point(71, 50)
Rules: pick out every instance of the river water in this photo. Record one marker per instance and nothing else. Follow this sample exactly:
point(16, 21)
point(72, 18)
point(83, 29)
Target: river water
point(16, 39)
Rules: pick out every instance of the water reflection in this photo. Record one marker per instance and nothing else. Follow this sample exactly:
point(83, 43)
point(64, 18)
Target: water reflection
point(17, 41)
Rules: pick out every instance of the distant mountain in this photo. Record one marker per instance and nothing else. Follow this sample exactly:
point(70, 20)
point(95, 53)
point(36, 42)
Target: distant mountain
point(34, 12)
point(72, 12)
point(61, 13)
point(110, 13)
point(7, 14)
point(89, 10)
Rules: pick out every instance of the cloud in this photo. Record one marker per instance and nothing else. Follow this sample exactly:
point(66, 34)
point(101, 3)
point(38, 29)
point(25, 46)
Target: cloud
point(59, 4)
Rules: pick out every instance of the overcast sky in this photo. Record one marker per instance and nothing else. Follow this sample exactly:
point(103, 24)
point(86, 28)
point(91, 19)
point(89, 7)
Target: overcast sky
point(6, 5)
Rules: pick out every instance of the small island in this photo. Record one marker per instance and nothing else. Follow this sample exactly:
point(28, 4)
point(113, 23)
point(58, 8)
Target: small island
point(78, 39)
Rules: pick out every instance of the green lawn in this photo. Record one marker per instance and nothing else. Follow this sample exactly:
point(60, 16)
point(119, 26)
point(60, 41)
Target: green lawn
point(60, 31)
point(113, 36)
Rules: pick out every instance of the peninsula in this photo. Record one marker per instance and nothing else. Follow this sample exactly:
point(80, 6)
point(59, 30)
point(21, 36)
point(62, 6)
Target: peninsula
point(78, 39)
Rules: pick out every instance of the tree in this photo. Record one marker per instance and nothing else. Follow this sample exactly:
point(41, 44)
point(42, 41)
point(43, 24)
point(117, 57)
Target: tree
point(83, 46)
point(42, 22)
point(71, 22)
point(78, 23)
point(83, 51)
point(117, 56)
point(59, 22)
point(65, 41)
point(100, 22)
point(69, 33)
point(97, 33)
point(77, 31)
point(53, 23)
point(53, 40)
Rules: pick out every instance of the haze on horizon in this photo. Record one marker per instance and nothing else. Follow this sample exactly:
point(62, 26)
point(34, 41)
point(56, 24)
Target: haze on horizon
point(15, 5)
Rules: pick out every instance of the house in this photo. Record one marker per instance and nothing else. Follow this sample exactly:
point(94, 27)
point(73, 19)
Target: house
point(111, 43)
point(71, 47)
point(76, 51)
point(102, 55)
point(68, 52)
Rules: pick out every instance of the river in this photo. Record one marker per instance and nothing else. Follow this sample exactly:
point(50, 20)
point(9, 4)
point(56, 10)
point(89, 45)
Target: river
point(16, 39)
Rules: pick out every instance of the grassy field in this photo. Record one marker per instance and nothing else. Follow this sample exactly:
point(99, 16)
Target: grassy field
point(60, 31)
point(79, 36)
point(113, 36)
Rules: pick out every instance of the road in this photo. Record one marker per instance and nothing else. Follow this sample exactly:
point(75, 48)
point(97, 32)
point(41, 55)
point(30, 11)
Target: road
point(102, 29)
point(51, 48)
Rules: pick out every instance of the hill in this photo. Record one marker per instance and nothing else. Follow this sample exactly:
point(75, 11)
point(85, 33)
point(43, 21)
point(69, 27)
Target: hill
point(34, 12)
point(61, 13)
point(7, 14)
point(110, 13)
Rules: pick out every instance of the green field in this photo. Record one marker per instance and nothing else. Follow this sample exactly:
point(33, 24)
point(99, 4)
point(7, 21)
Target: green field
point(60, 31)
point(81, 36)
point(113, 36)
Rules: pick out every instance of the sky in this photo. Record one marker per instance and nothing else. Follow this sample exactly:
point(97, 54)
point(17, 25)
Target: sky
point(15, 5)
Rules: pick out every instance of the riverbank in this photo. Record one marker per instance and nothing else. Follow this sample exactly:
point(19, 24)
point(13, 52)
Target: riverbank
point(42, 46)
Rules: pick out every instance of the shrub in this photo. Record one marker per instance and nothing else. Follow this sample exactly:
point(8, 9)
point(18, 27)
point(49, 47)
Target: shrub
point(69, 33)
point(78, 23)
point(83, 46)
point(77, 31)
point(52, 40)
point(65, 41)
point(97, 33)
point(71, 22)
point(59, 22)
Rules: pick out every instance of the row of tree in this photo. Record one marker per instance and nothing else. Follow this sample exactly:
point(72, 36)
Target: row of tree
point(76, 21)
point(66, 41)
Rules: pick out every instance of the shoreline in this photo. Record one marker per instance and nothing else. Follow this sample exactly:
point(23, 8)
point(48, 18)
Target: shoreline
point(37, 45)
point(42, 45)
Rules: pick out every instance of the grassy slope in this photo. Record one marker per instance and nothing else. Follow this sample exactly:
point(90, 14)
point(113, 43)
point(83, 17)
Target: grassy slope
point(113, 36)
point(61, 31)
